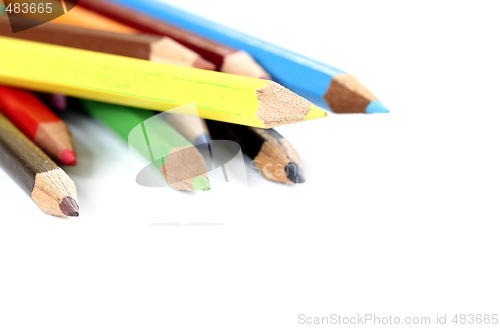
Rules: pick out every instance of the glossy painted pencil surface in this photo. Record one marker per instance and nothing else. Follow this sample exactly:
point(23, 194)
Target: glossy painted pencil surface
point(324, 85)
point(273, 155)
point(48, 185)
point(38, 123)
point(141, 46)
point(181, 164)
point(144, 84)
point(226, 59)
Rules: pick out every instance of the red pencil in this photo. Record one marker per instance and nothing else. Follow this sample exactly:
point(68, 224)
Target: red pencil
point(38, 123)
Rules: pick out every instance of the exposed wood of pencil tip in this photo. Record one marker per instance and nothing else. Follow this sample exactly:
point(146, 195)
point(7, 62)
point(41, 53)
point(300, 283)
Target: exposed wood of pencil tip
point(277, 160)
point(168, 51)
point(241, 63)
point(176, 174)
point(346, 94)
point(270, 153)
point(48, 185)
point(279, 106)
point(57, 141)
point(59, 203)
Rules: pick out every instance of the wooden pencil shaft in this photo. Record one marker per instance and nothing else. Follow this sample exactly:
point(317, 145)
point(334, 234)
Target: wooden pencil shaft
point(20, 157)
point(139, 46)
point(144, 84)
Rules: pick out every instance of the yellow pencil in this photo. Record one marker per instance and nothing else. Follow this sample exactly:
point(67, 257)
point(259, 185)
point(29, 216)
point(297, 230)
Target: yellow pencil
point(144, 84)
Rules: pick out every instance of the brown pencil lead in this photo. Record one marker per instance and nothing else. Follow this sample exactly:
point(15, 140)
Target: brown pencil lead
point(69, 206)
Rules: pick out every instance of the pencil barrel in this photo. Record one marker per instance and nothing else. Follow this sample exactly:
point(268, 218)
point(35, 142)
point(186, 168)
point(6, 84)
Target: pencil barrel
point(22, 159)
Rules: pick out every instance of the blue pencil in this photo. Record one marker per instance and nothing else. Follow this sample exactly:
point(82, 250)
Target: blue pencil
point(324, 85)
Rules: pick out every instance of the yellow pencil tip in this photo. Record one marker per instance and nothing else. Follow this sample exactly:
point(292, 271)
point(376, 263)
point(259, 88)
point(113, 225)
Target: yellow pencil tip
point(314, 113)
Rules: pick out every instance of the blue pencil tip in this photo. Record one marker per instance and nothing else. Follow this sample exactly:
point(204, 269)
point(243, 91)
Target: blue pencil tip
point(202, 140)
point(376, 107)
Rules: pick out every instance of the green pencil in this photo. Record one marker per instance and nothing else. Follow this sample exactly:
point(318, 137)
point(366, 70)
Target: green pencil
point(180, 162)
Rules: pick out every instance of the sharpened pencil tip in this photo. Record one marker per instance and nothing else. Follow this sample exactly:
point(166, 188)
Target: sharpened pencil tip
point(201, 183)
point(68, 157)
point(203, 139)
point(315, 112)
point(376, 107)
point(241, 63)
point(69, 207)
point(294, 173)
point(203, 64)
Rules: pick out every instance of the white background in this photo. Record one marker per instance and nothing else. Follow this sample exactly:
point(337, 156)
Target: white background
point(399, 214)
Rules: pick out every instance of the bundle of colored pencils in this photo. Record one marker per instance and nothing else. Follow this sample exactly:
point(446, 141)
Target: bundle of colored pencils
point(129, 59)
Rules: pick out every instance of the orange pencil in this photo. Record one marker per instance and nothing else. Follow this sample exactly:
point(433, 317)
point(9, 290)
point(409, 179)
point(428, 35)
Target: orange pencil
point(85, 18)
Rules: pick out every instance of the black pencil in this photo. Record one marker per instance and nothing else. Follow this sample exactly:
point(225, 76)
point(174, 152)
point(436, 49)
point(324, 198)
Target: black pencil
point(47, 184)
point(272, 154)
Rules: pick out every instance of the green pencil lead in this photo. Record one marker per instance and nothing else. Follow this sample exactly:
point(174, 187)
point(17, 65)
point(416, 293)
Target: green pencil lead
point(201, 183)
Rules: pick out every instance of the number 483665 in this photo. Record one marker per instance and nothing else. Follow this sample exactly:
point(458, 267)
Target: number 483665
point(475, 319)
point(25, 8)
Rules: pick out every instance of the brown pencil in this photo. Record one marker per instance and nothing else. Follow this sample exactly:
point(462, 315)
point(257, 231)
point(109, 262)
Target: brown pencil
point(227, 59)
point(141, 46)
point(47, 184)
